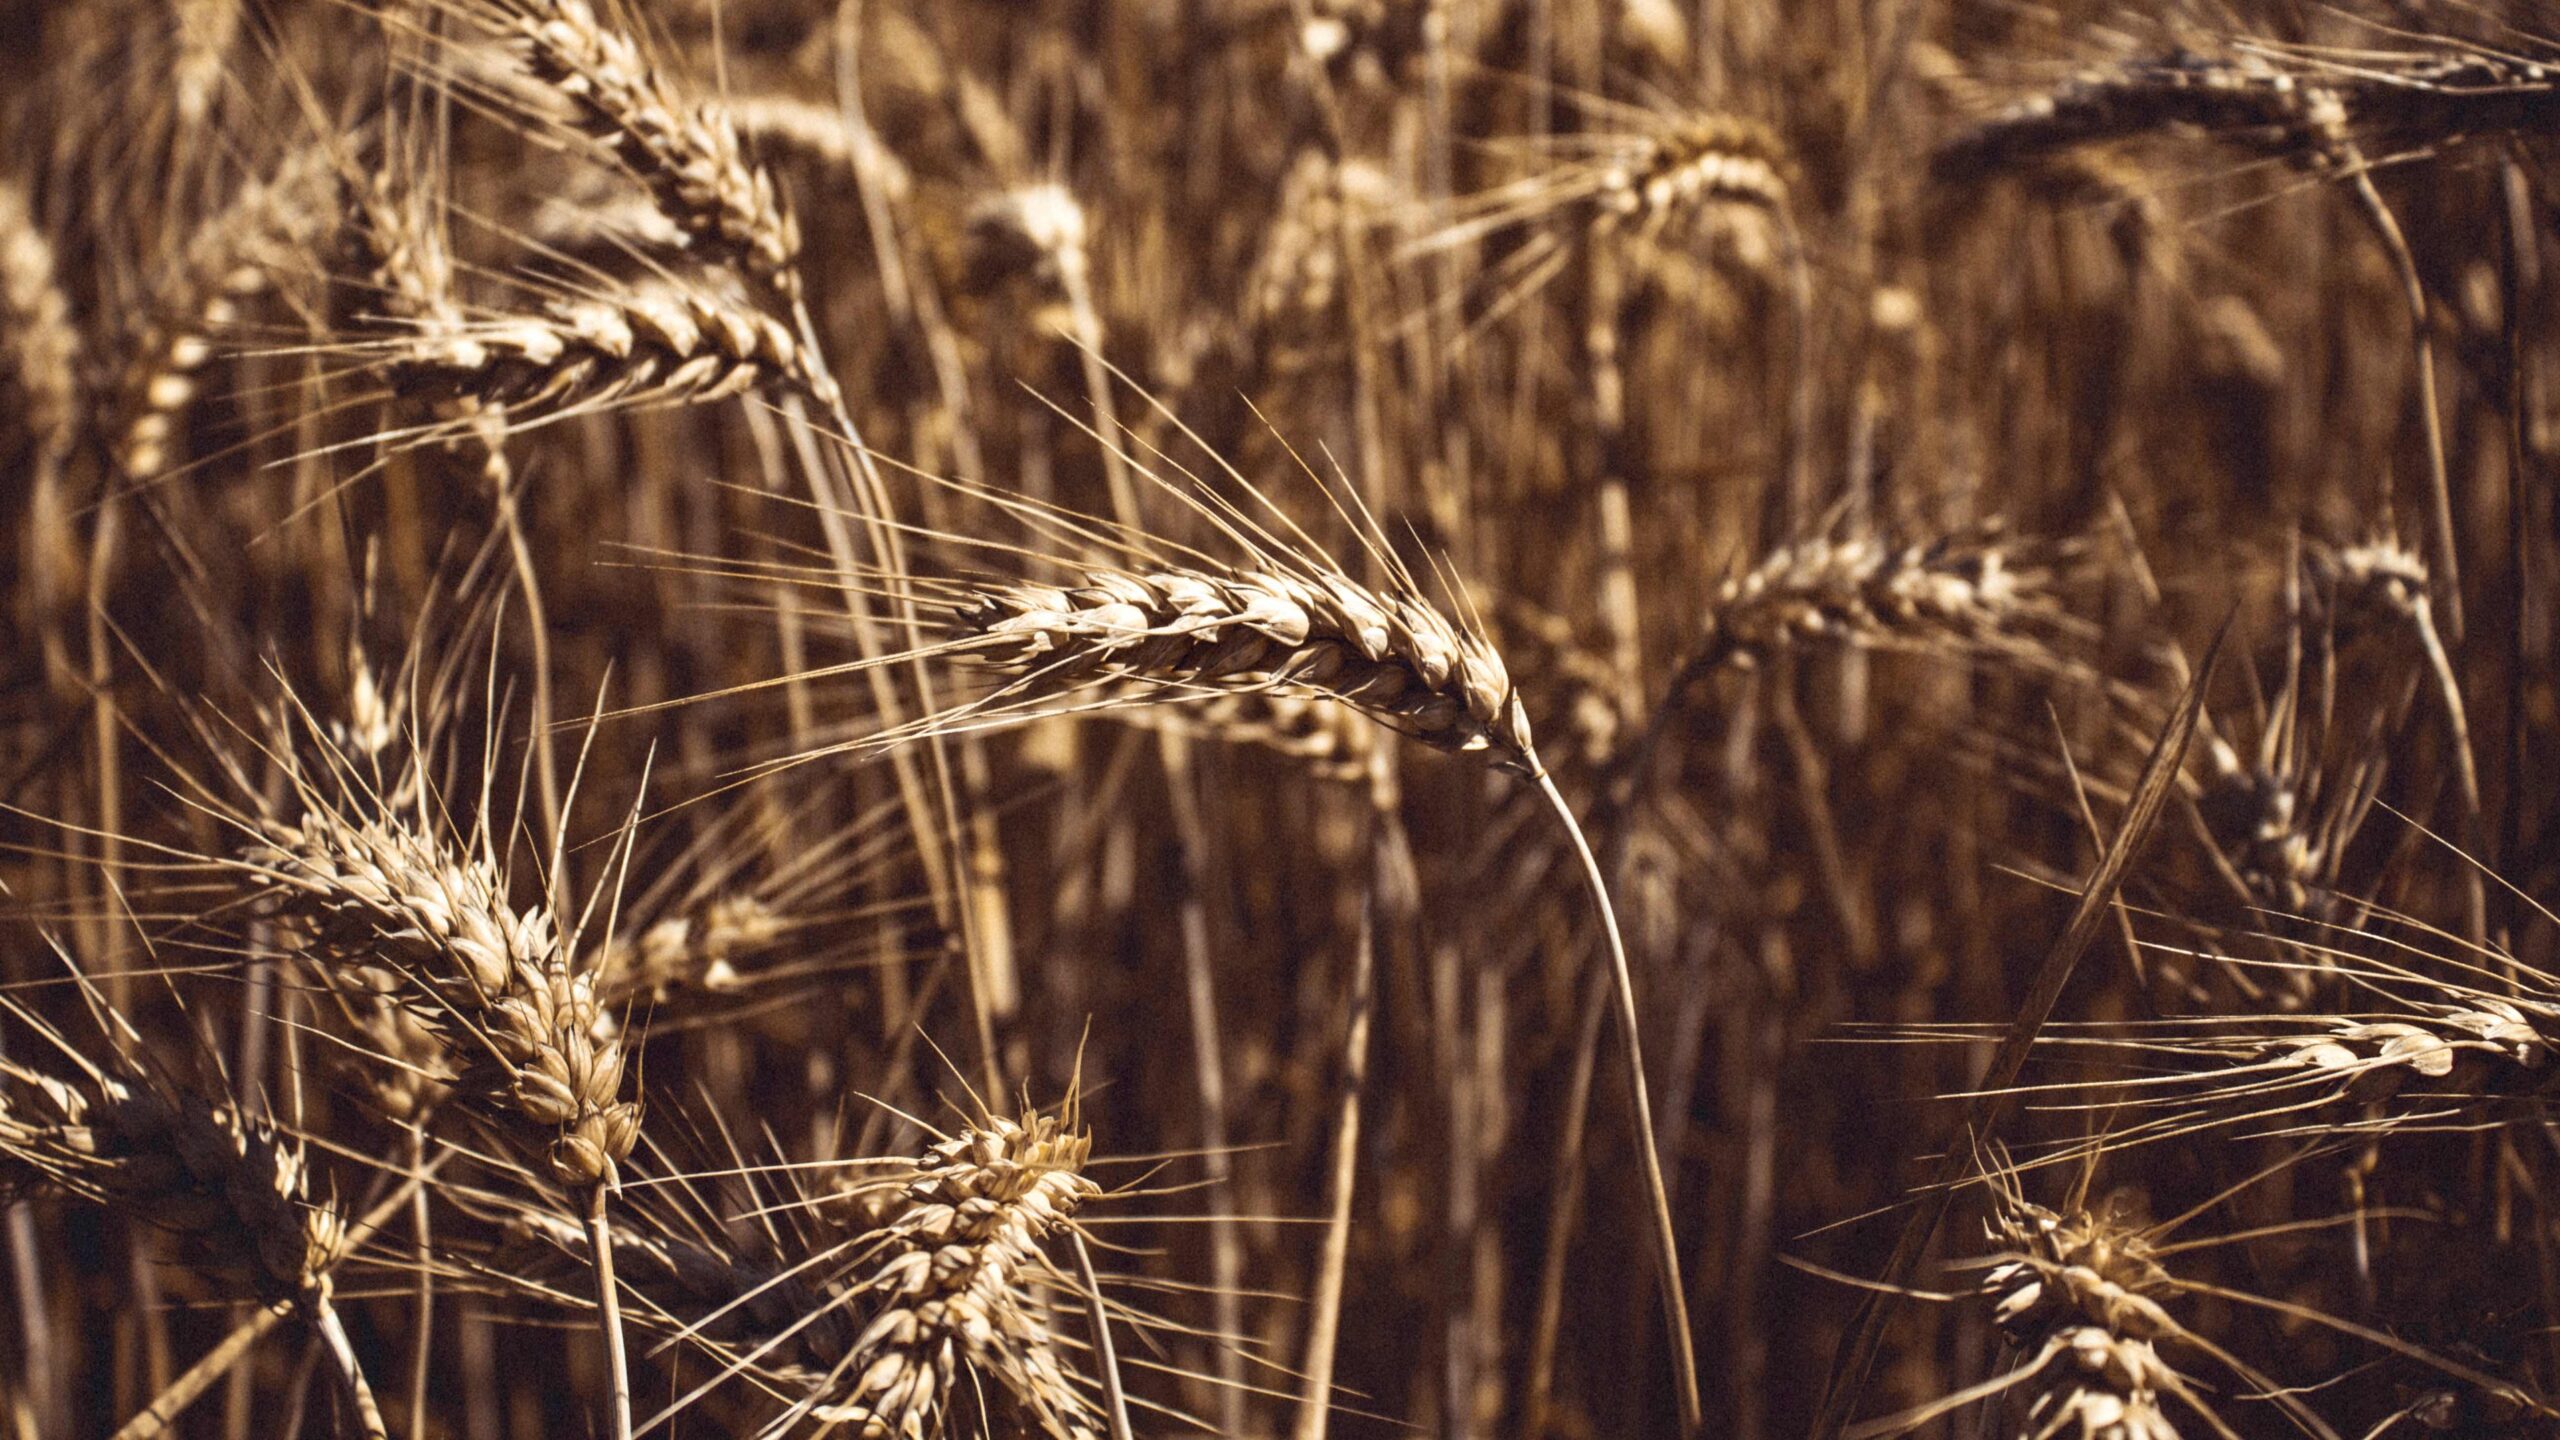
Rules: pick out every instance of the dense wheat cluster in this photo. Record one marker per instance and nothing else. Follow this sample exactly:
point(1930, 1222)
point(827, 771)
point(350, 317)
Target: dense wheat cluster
point(934, 719)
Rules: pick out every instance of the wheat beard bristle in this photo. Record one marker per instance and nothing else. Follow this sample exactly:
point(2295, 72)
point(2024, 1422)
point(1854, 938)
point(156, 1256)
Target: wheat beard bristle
point(1388, 656)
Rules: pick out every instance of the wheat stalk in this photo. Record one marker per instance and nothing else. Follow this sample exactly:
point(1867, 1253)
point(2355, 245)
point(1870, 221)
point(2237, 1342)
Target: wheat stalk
point(1392, 658)
point(1388, 655)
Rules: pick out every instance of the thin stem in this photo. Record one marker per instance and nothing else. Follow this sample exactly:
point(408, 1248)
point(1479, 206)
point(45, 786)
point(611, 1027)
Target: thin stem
point(1315, 1403)
point(1100, 1320)
point(200, 1377)
point(2386, 227)
point(608, 1306)
point(1675, 1302)
point(424, 1340)
point(1564, 1203)
point(324, 1318)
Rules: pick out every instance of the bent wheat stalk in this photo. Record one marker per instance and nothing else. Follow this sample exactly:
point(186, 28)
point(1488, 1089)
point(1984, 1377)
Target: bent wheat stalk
point(1389, 655)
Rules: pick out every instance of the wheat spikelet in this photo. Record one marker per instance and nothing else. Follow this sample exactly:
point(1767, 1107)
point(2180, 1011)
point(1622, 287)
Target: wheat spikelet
point(686, 151)
point(1389, 656)
point(684, 952)
point(945, 1272)
point(491, 980)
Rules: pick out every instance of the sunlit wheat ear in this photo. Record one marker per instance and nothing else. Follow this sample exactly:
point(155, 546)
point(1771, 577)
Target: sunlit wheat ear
point(1391, 657)
point(944, 1280)
point(608, 345)
point(269, 230)
point(686, 150)
point(488, 977)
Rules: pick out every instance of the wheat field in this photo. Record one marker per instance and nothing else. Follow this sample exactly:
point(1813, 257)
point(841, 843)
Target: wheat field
point(1094, 718)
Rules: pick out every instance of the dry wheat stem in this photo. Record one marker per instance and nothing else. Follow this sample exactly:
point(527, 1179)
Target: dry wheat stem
point(1315, 1392)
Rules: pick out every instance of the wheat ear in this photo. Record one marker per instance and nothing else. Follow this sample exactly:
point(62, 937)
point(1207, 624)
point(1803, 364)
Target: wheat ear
point(685, 150)
point(492, 981)
point(947, 1267)
point(222, 1182)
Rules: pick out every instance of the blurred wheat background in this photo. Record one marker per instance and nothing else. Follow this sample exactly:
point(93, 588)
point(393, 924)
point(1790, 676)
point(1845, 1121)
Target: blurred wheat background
point(1550, 718)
